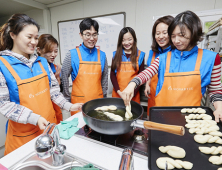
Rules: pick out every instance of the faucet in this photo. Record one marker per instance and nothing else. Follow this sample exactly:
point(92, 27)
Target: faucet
point(48, 144)
point(126, 162)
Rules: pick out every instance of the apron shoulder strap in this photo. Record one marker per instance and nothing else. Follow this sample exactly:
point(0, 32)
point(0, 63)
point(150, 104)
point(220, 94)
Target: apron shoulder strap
point(11, 70)
point(98, 54)
point(138, 55)
point(199, 59)
point(153, 57)
point(198, 62)
point(79, 54)
point(168, 62)
point(41, 66)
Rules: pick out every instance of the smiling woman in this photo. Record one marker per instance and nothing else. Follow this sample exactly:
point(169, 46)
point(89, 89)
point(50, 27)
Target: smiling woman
point(160, 45)
point(184, 67)
point(47, 47)
point(25, 79)
point(128, 61)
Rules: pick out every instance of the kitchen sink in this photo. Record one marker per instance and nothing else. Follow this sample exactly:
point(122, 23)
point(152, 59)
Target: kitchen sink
point(32, 162)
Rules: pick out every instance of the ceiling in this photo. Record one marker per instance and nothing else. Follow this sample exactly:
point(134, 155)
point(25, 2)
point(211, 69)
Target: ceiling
point(9, 7)
point(47, 2)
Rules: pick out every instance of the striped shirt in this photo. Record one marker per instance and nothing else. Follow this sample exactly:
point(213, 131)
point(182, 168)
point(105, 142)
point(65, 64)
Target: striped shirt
point(25, 115)
point(215, 87)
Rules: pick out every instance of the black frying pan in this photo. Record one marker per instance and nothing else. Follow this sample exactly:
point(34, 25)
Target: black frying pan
point(121, 127)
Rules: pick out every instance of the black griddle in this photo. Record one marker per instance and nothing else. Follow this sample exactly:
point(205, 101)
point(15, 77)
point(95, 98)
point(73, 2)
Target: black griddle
point(173, 116)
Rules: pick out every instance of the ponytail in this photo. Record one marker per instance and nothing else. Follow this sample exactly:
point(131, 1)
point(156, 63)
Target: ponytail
point(15, 24)
point(6, 41)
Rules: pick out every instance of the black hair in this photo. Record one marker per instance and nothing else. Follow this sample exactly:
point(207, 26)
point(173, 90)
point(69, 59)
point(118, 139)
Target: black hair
point(119, 52)
point(168, 19)
point(15, 24)
point(87, 23)
point(190, 20)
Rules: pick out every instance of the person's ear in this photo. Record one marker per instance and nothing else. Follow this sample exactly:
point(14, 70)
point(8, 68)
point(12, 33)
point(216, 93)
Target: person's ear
point(38, 51)
point(81, 35)
point(12, 35)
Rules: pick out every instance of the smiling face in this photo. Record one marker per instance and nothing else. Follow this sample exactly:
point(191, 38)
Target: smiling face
point(52, 54)
point(127, 42)
point(26, 41)
point(161, 35)
point(181, 40)
point(89, 37)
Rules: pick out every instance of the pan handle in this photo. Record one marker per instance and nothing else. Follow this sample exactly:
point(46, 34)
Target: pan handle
point(177, 130)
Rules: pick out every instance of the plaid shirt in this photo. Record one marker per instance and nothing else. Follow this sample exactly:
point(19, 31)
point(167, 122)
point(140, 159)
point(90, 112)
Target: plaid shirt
point(19, 113)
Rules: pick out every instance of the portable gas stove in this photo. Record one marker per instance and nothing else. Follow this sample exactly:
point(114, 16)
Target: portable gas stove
point(136, 139)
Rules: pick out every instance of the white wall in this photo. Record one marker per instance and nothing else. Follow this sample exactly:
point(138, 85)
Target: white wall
point(36, 14)
point(139, 13)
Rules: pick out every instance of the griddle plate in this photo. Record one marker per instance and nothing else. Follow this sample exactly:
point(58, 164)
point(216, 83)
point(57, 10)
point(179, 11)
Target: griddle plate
point(173, 116)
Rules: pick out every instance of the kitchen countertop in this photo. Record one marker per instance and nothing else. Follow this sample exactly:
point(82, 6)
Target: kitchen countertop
point(102, 155)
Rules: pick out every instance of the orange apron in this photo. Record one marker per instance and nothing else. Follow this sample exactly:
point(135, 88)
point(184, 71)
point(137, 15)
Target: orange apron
point(125, 74)
point(181, 88)
point(58, 112)
point(57, 109)
point(87, 85)
point(34, 93)
point(153, 84)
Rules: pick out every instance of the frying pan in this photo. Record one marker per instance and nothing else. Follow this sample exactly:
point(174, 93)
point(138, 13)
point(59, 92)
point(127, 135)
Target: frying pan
point(122, 127)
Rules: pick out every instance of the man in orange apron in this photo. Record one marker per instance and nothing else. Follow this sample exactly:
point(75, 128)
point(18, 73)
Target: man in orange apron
point(88, 72)
point(124, 75)
point(33, 93)
point(87, 66)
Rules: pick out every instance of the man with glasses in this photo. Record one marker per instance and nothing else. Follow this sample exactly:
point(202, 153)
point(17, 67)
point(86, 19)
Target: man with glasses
point(87, 65)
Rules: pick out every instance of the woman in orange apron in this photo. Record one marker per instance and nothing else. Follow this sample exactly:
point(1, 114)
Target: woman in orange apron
point(186, 71)
point(47, 47)
point(127, 62)
point(160, 45)
point(27, 84)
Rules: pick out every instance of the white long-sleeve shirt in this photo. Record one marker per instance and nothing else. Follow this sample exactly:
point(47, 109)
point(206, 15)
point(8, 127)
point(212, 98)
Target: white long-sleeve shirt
point(25, 115)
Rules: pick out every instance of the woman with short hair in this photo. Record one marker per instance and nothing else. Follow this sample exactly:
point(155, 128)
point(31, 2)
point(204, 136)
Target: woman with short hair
point(47, 47)
point(186, 71)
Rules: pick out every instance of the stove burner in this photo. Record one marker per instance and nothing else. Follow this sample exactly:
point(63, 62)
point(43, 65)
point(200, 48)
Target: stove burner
point(86, 128)
point(138, 135)
point(123, 141)
point(138, 132)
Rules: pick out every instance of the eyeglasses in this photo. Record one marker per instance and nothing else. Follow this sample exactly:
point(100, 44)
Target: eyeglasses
point(88, 36)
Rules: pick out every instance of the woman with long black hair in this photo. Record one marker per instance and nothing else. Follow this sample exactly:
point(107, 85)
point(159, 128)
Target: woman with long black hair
point(127, 62)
